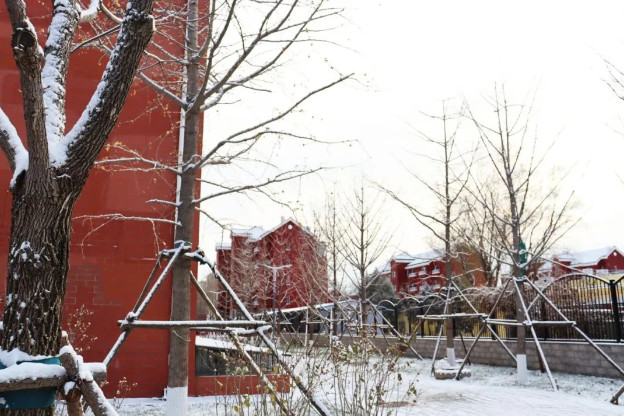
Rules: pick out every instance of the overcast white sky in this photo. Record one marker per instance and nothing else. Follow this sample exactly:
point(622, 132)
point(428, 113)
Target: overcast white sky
point(408, 56)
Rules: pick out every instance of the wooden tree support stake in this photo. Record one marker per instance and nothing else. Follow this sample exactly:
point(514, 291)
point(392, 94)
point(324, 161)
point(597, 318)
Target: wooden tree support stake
point(23, 383)
point(80, 374)
point(138, 310)
point(225, 325)
point(318, 406)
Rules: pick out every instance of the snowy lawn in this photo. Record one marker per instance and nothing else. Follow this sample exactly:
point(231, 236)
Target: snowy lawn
point(491, 391)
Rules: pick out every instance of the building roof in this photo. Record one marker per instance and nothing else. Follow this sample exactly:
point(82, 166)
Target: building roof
point(412, 260)
point(224, 246)
point(423, 259)
point(402, 257)
point(258, 233)
point(282, 223)
point(253, 233)
point(587, 257)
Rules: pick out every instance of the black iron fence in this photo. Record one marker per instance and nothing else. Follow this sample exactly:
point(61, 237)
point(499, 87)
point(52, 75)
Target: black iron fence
point(595, 304)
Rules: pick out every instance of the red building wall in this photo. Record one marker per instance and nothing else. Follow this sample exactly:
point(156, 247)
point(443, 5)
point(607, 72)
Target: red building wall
point(109, 264)
point(613, 263)
point(398, 275)
point(305, 282)
point(433, 274)
point(248, 384)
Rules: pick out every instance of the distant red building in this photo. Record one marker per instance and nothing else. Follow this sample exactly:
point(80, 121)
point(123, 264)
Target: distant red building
point(425, 272)
point(603, 261)
point(302, 281)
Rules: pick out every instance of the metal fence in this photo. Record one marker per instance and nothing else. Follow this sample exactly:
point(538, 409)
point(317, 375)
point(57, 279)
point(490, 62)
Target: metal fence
point(595, 304)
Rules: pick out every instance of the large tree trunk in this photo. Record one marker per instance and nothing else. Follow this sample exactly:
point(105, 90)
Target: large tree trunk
point(37, 268)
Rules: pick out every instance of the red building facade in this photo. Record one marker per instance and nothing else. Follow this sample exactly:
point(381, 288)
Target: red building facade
point(602, 262)
point(301, 281)
point(423, 273)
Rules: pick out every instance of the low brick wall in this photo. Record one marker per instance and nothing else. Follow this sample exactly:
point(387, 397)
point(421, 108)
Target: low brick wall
point(246, 384)
point(565, 357)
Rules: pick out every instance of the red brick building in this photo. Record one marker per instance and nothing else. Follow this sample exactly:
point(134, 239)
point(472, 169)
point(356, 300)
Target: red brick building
point(109, 260)
point(425, 272)
point(602, 262)
point(303, 280)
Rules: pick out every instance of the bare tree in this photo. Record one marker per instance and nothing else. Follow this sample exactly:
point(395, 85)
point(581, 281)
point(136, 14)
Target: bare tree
point(478, 232)
point(229, 47)
point(364, 240)
point(251, 282)
point(328, 225)
point(449, 158)
point(532, 218)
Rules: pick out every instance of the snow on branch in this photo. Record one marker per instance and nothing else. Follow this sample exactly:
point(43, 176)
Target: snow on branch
point(152, 164)
point(81, 374)
point(79, 148)
point(161, 89)
point(110, 15)
point(13, 147)
point(164, 202)
point(57, 49)
point(90, 12)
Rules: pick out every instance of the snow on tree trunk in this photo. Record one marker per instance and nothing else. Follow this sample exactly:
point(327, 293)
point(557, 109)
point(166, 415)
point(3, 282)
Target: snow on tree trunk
point(37, 267)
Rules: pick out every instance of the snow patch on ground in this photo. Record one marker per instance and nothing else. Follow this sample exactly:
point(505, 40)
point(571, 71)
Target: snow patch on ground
point(491, 391)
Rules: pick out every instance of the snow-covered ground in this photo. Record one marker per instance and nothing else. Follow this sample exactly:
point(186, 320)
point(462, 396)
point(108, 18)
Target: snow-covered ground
point(491, 391)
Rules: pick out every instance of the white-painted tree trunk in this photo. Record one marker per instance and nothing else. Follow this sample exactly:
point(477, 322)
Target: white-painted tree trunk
point(450, 357)
point(177, 401)
point(523, 374)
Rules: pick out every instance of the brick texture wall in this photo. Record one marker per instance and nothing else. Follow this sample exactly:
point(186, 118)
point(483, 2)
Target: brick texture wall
point(565, 357)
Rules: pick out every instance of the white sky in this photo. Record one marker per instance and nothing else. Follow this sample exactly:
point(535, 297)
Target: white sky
point(408, 56)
